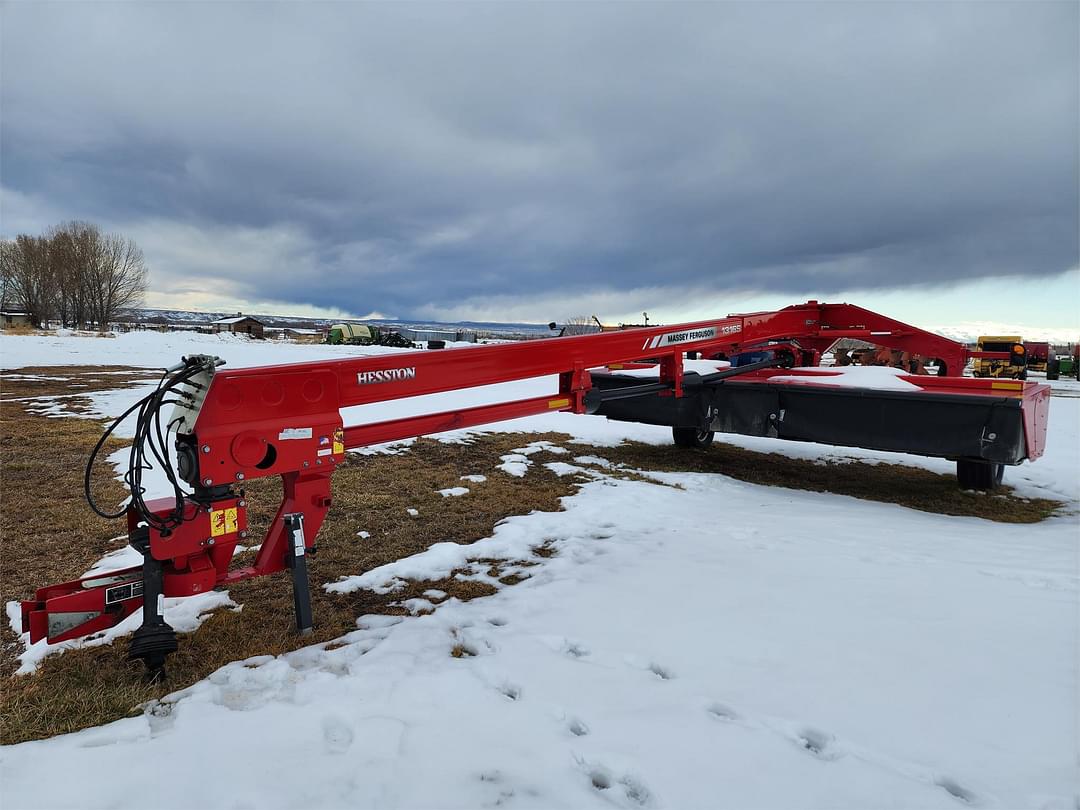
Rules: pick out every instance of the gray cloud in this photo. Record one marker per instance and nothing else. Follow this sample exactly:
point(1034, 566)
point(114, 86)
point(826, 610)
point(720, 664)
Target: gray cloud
point(425, 158)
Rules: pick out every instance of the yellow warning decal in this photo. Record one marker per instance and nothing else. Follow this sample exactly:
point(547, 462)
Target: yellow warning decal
point(223, 521)
point(1008, 385)
point(558, 403)
point(339, 441)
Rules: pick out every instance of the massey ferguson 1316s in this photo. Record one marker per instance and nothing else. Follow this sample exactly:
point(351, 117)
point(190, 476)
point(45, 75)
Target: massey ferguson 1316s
point(229, 426)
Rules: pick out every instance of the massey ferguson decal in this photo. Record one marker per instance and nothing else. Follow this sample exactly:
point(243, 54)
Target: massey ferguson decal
point(385, 375)
point(689, 336)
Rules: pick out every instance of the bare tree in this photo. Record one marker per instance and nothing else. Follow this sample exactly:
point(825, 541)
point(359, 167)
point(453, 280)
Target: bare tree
point(6, 247)
point(75, 273)
point(29, 280)
point(99, 274)
point(580, 325)
point(70, 250)
point(116, 278)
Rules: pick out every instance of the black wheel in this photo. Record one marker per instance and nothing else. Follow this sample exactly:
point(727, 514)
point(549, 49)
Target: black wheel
point(692, 437)
point(979, 475)
point(942, 368)
point(1053, 368)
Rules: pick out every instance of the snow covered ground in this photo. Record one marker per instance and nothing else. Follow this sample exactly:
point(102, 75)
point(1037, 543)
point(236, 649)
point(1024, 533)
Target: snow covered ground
point(716, 644)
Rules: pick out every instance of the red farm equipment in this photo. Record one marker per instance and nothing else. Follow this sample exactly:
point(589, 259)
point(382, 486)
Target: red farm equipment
point(232, 425)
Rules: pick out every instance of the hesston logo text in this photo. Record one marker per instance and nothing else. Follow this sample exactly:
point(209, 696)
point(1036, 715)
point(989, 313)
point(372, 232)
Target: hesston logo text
point(385, 375)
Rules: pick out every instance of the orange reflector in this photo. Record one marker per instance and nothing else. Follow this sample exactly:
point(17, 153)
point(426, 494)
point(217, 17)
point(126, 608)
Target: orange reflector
point(1010, 385)
point(558, 403)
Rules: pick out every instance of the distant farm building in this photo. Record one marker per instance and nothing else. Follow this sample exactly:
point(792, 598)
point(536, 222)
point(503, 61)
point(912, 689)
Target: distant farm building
point(303, 335)
point(11, 319)
point(421, 335)
point(239, 324)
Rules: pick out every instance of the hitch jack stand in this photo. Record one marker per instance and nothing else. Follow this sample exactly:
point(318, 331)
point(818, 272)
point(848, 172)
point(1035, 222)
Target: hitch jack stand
point(296, 559)
point(155, 639)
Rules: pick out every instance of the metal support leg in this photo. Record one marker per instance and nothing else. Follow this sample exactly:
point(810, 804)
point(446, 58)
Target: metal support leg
point(155, 640)
point(296, 559)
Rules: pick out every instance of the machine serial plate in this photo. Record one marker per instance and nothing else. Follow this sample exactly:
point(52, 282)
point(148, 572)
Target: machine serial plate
point(121, 593)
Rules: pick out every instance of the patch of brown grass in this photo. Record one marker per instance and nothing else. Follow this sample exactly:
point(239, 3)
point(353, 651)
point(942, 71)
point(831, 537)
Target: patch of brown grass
point(912, 487)
point(48, 533)
point(91, 686)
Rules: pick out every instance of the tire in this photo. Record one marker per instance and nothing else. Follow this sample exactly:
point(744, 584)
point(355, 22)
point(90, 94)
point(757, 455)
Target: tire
point(1053, 369)
point(983, 476)
point(692, 437)
point(436, 344)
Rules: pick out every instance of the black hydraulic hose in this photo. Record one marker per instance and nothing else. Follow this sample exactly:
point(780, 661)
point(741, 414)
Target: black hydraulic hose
point(93, 456)
point(148, 423)
point(705, 379)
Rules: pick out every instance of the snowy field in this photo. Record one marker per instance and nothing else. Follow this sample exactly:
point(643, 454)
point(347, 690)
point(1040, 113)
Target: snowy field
point(720, 645)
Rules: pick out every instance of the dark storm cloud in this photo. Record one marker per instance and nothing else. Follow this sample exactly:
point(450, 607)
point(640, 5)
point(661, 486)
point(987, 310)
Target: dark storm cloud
point(417, 155)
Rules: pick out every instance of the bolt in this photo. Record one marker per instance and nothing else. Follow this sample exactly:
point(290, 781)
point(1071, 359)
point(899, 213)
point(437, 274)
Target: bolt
point(307, 463)
point(207, 481)
point(239, 476)
point(206, 448)
point(209, 541)
point(242, 503)
point(243, 534)
point(991, 436)
point(318, 462)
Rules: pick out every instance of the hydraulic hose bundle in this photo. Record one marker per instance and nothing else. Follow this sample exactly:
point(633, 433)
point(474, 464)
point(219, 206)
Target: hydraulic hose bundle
point(150, 443)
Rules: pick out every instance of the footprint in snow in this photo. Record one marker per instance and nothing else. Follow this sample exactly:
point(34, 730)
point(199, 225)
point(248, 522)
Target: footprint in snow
point(510, 691)
point(956, 790)
point(819, 743)
point(661, 672)
point(575, 649)
point(577, 727)
point(722, 712)
point(635, 791)
point(501, 791)
point(159, 716)
point(337, 736)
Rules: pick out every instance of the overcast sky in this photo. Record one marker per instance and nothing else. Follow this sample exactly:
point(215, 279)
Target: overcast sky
point(534, 161)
